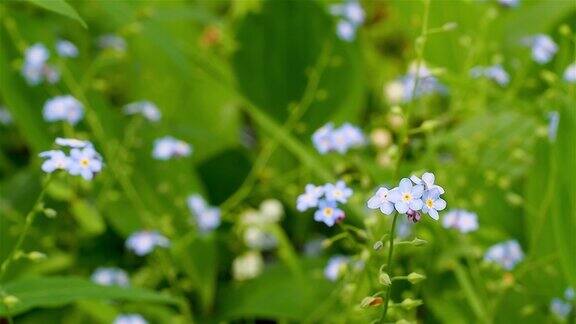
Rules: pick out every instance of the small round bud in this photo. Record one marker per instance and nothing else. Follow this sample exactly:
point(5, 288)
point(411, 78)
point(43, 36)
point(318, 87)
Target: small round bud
point(450, 26)
point(429, 125)
point(50, 213)
point(371, 302)
point(36, 256)
point(384, 279)
point(378, 245)
point(10, 301)
point(565, 30)
point(381, 138)
point(410, 303)
point(415, 278)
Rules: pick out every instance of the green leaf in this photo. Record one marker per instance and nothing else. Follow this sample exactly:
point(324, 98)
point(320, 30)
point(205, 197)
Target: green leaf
point(61, 7)
point(275, 294)
point(88, 217)
point(58, 291)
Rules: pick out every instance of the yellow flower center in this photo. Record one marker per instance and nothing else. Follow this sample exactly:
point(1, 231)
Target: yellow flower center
point(85, 162)
point(429, 203)
point(337, 193)
point(406, 197)
point(328, 211)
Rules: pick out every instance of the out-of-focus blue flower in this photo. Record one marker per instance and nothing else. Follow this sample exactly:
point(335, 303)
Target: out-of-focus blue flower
point(427, 181)
point(543, 48)
point(506, 254)
point(432, 203)
point(65, 108)
point(309, 199)
point(5, 116)
point(313, 247)
point(569, 293)
point(36, 68)
point(403, 89)
point(130, 319)
point(338, 192)
point(351, 16)
point(85, 162)
point(327, 138)
point(66, 48)
point(168, 147)
point(570, 73)
point(509, 3)
point(143, 242)
point(113, 42)
point(328, 213)
point(335, 267)
point(553, 121)
point(206, 217)
point(55, 160)
point(406, 196)
point(110, 277)
point(144, 108)
point(259, 239)
point(461, 220)
point(380, 201)
point(560, 308)
point(403, 228)
point(494, 72)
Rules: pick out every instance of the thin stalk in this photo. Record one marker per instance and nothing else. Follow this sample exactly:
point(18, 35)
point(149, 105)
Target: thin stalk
point(389, 267)
point(27, 223)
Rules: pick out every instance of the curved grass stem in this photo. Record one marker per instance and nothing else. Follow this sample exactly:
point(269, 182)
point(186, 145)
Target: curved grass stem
point(389, 267)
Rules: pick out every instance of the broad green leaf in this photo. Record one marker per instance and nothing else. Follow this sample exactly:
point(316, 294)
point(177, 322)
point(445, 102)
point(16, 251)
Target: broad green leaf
point(61, 7)
point(58, 291)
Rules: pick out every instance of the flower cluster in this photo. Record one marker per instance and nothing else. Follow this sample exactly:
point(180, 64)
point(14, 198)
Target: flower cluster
point(144, 242)
point(542, 46)
point(83, 159)
point(110, 277)
point(168, 147)
point(410, 197)
point(36, 68)
point(506, 254)
point(255, 225)
point(145, 108)
point(495, 73)
point(561, 307)
point(461, 220)
point(326, 198)
point(403, 89)
point(327, 138)
point(351, 16)
point(206, 217)
point(63, 108)
point(130, 319)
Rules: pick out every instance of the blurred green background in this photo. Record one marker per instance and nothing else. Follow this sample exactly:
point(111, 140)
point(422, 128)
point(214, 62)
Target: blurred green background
point(246, 83)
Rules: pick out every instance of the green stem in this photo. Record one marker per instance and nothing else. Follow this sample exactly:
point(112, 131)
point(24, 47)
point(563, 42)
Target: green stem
point(470, 293)
point(27, 223)
point(389, 267)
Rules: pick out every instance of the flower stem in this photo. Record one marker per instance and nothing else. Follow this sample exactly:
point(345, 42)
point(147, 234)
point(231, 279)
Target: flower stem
point(389, 267)
point(27, 223)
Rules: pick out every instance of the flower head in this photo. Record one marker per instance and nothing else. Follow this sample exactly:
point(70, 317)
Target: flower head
point(85, 162)
point(66, 48)
point(427, 181)
point(507, 254)
point(570, 73)
point(335, 267)
point(322, 138)
point(206, 217)
point(327, 138)
point(461, 220)
point(55, 160)
point(351, 16)
point(66, 108)
point(494, 72)
point(543, 48)
point(328, 213)
point(560, 308)
point(380, 201)
point(144, 242)
point(110, 277)
point(144, 108)
point(433, 203)
point(168, 147)
point(309, 199)
point(5, 116)
point(338, 192)
point(406, 196)
point(130, 319)
point(259, 239)
point(247, 266)
point(36, 68)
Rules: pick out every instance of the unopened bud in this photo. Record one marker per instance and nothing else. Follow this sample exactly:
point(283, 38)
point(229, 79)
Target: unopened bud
point(50, 213)
point(35, 256)
point(10, 301)
point(450, 26)
point(371, 302)
point(429, 125)
point(565, 30)
point(415, 278)
point(384, 279)
point(419, 242)
point(410, 303)
point(378, 245)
